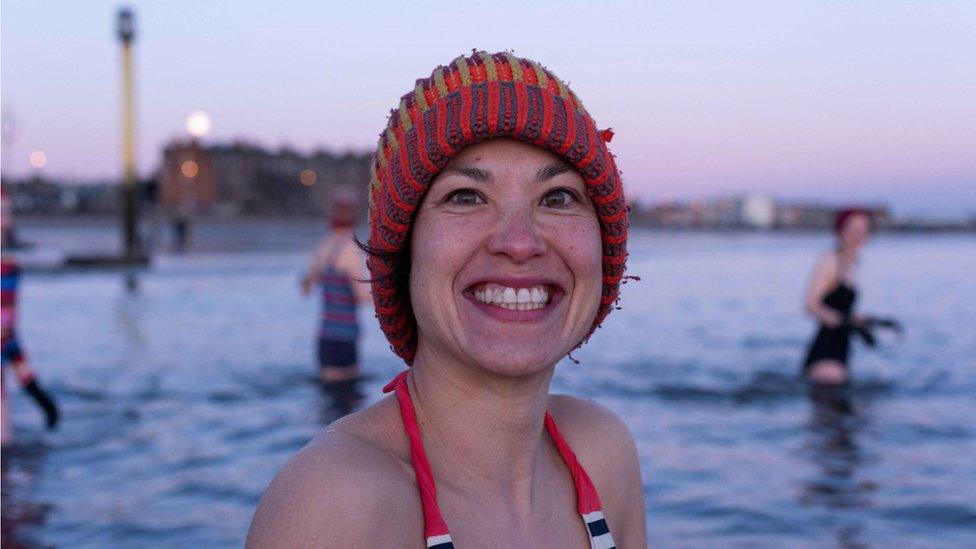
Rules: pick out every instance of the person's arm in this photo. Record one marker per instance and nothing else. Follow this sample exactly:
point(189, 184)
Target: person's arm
point(333, 493)
point(316, 268)
point(824, 278)
point(626, 499)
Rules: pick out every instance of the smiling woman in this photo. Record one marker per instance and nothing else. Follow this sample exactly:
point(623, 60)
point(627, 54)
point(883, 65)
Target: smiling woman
point(497, 245)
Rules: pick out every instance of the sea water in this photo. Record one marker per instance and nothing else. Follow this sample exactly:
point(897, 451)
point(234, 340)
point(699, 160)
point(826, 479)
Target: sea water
point(181, 400)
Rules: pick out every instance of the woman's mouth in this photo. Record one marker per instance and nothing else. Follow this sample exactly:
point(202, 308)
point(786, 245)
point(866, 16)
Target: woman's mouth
point(513, 299)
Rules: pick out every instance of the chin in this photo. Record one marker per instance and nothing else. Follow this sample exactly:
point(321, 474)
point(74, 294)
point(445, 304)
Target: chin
point(515, 359)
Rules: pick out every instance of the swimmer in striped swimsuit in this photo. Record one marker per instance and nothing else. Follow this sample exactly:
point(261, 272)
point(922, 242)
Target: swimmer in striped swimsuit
point(338, 267)
point(498, 232)
point(11, 352)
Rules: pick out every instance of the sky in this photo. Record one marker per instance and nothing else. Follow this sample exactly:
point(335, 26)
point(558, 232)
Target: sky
point(838, 101)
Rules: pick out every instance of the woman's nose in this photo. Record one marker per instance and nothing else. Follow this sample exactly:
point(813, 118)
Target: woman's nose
point(517, 236)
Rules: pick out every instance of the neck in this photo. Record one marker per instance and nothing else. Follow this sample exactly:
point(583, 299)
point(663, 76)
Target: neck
point(482, 431)
point(848, 253)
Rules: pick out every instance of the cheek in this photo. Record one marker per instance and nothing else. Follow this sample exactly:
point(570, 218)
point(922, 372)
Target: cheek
point(583, 251)
point(437, 255)
point(426, 251)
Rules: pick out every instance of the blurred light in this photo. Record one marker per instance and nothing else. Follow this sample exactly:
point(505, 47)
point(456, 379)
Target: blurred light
point(198, 124)
point(307, 177)
point(37, 159)
point(189, 168)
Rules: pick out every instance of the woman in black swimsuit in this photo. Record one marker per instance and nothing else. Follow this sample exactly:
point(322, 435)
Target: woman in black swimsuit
point(830, 300)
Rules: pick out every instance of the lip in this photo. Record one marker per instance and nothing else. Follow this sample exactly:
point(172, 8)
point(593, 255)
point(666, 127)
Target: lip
point(509, 315)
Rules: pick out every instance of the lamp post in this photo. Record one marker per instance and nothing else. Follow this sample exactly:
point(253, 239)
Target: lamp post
point(126, 34)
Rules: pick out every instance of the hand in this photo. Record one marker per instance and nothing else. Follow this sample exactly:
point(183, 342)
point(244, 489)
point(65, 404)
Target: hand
point(831, 318)
point(888, 323)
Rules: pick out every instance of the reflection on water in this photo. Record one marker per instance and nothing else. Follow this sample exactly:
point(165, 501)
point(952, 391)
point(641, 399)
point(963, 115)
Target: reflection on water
point(340, 398)
point(22, 462)
point(833, 449)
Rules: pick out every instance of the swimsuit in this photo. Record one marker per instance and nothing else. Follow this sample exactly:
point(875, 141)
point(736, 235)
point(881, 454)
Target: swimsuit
point(339, 328)
point(833, 343)
point(10, 350)
point(436, 533)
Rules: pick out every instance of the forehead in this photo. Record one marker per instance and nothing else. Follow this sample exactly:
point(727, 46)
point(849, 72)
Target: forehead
point(505, 153)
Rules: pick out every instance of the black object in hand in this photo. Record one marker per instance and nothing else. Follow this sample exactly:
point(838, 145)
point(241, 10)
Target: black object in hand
point(866, 334)
point(888, 323)
point(44, 401)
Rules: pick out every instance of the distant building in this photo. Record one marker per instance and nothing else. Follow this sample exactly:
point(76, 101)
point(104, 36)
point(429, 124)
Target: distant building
point(757, 211)
point(800, 215)
point(244, 179)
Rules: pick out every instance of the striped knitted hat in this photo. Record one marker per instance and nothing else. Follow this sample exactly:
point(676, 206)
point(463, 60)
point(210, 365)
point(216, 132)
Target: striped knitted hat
point(473, 99)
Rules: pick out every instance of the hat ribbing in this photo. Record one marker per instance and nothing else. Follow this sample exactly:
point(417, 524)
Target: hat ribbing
point(473, 99)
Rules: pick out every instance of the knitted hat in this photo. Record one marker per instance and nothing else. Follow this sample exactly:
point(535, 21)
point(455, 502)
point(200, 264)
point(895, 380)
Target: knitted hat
point(473, 99)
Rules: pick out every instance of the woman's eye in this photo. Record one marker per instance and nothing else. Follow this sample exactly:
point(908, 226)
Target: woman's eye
point(558, 198)
point(465, 197)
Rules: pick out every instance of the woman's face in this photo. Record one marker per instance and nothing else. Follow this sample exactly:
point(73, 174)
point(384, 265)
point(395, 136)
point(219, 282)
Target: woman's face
point(506, 259)
point(855, 231)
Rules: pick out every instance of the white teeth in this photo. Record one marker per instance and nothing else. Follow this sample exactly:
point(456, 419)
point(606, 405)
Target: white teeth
point(509, 295)
point(522, 299)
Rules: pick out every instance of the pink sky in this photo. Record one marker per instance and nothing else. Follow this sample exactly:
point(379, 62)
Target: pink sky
point(840, 101)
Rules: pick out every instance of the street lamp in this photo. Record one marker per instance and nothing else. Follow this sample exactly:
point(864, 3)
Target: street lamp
point(37, 159)
point(126, 29)
point(126, 25)
point(198, 124)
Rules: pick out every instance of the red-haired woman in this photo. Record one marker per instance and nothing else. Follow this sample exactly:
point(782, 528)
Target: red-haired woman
point(830, 300)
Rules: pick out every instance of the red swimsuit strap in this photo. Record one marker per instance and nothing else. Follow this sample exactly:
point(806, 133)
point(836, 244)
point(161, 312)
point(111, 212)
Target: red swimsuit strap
point(434, 524)
point(587, 499)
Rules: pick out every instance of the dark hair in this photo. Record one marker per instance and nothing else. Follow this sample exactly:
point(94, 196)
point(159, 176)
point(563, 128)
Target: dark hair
point(843, 215)
point(401, 258)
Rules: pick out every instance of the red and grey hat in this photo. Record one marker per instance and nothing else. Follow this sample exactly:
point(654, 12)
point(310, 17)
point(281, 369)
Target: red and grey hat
point(475, 98)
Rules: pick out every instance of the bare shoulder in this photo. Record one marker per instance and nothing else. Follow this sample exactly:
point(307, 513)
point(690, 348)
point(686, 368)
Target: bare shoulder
point(606, 449)
point(324, 245)
point(351, 257)
point(592, 430)
point(827, 264)
point(352, 476)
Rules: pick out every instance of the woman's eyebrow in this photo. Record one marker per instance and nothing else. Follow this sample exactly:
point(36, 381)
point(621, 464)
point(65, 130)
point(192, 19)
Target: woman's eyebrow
point(552, 170)
point(478, 174)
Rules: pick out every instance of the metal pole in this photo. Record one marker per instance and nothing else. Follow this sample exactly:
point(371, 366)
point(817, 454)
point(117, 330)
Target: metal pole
point(126, 32)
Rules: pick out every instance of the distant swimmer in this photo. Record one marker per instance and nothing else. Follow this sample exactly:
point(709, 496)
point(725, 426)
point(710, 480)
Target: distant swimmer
point(830, 300)
point(339, 267)
point(10, 348)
